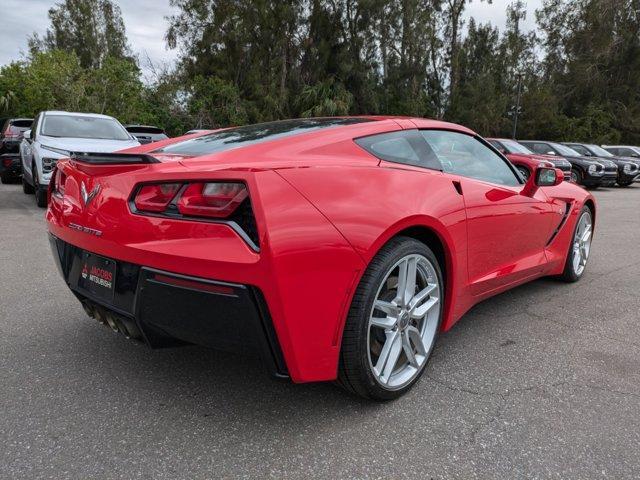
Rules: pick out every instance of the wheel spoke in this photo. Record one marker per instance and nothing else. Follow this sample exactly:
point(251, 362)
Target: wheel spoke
point(387, 323)
point(586, 234)
point(386, 307)
point(423, 309)
point(410, 286)
point(402, 282)
point(408, 350)
point(417, 340)
point(389, 356)
point(422, 295)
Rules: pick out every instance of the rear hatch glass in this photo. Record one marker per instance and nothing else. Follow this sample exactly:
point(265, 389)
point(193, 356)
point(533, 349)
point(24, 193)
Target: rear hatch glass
point(237, 137)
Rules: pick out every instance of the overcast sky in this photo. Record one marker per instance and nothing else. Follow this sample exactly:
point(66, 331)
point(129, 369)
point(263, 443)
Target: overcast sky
point(146, 25)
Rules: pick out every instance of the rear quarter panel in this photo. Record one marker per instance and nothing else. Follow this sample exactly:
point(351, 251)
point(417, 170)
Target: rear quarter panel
point(370, 205)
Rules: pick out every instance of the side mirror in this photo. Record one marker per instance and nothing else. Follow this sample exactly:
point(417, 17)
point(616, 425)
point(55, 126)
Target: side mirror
point(27, 134)
point(543, 176)
point(550, 152)
point(549, 177)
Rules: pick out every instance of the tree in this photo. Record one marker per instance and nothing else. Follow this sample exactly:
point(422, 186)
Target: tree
point(92, 29)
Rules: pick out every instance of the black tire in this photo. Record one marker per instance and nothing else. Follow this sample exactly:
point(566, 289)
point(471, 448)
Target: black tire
point(569, 275)
point(625, 184)
point(41, 193)
point(5, 179)
point(354, 371)
point(27, 188)
point(524, 171)
point(576, 176)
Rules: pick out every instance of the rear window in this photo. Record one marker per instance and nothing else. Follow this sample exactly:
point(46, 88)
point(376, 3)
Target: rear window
point(237, 137)
point(83, 127)
point(22, 124)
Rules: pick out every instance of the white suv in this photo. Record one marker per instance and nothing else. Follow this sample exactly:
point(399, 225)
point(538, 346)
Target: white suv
point(55, 135)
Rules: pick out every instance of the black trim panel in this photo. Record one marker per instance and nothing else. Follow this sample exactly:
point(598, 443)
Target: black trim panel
point(169, 309)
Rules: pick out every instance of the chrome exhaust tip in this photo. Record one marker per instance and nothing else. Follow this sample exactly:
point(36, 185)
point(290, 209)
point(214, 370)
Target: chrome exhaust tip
point(112, 322)
point(88, 309)
point(100, 316)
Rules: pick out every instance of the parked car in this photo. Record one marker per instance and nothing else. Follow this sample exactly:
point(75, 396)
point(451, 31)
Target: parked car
point(628, 168)
point(56, 134)
point(11, 133)
point(146, 134)
point(623, 150)
point(10, 169)
point(525, 160)
point(337, 248)
point(584, 171)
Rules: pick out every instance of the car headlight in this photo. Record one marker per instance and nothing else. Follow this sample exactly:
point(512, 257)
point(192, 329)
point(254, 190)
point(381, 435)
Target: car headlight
point(48, 164)
point(55, 150)
point(629, 168)
point(592, 169)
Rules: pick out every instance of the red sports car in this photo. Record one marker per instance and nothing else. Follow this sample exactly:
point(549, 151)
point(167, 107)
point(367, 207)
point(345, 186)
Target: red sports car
point(336, 248)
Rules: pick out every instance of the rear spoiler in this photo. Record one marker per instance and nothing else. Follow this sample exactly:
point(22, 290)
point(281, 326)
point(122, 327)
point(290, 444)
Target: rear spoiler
point(113, 158)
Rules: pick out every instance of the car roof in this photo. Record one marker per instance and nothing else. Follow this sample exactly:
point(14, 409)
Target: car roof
point(75, 114)
point(270, 144)
point(300, 130)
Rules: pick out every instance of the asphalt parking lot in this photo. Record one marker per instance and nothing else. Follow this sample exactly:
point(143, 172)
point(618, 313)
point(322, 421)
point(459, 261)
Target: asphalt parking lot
point(540, 382)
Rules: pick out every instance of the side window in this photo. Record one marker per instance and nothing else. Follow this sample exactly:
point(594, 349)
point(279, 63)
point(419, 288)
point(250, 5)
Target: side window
point(404, 146)
point(541, 148)
point(581, 150)
point(465, 155)
point(624, 152)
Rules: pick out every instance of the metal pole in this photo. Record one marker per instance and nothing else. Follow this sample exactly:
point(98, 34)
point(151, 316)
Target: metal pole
point(515, 115)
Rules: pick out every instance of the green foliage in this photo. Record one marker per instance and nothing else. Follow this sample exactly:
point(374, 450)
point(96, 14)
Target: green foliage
point(92, 29)
point(325, 99)
point(215, 102)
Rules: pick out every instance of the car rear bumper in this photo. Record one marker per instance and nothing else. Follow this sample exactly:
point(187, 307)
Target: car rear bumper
point(163, 309)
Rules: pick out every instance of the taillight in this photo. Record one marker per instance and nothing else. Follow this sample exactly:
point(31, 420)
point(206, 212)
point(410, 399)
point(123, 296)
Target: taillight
point(226, 202)
point(217, 200)
point(156, 198)
point(7, 162)
point(59, 182)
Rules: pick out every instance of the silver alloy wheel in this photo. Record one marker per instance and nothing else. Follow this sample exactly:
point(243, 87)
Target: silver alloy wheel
point(582, 243)
point(403, 321)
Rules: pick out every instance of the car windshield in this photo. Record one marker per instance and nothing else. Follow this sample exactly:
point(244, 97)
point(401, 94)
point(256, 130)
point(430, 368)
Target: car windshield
point(564, 150)
point(74, 126)
point(514, 147)
point(251, 134)
point(599, 151)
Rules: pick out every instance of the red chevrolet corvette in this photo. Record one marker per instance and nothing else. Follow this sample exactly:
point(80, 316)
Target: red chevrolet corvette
point(335, 248)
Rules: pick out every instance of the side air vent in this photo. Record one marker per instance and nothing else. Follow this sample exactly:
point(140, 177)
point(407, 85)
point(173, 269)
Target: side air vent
point(565, 216)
